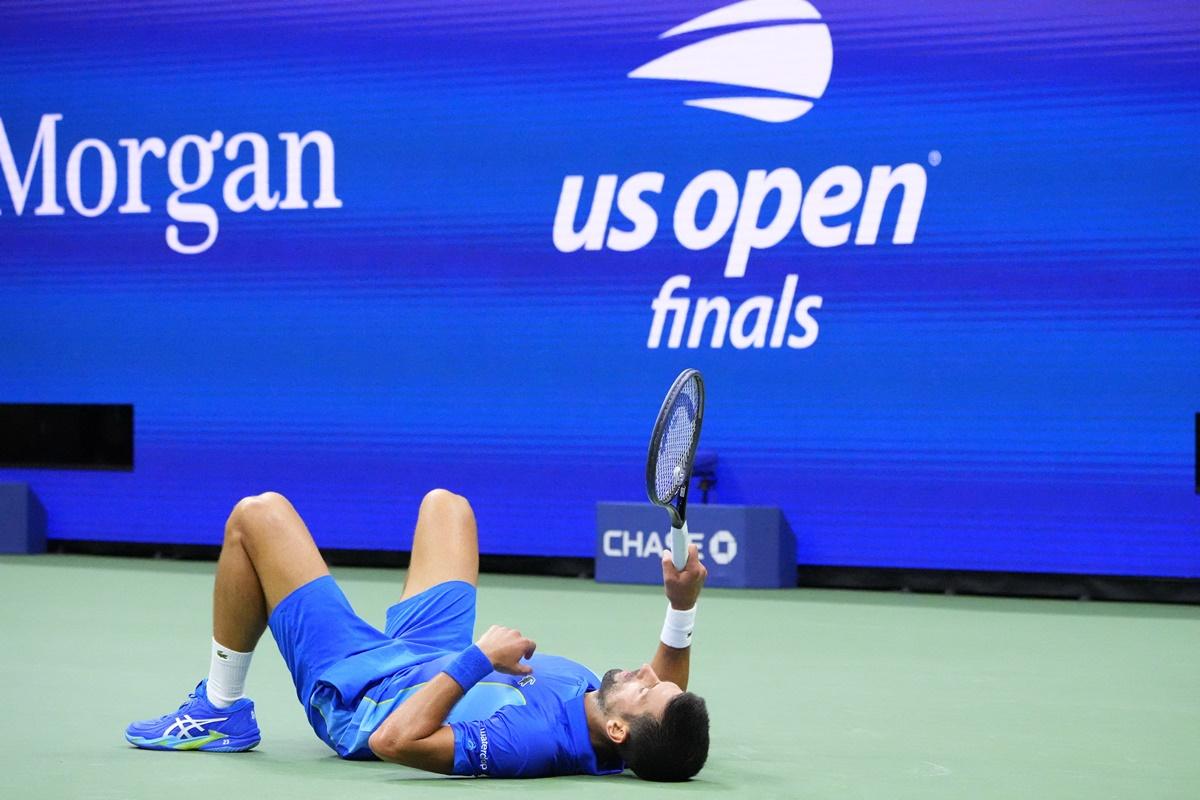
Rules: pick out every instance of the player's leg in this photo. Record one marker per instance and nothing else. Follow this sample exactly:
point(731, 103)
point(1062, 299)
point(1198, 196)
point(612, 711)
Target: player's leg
point(268, 552)
point(445, 544)
point(437, 607)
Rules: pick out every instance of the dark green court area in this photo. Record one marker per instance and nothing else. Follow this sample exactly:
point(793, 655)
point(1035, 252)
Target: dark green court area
point(813, 693)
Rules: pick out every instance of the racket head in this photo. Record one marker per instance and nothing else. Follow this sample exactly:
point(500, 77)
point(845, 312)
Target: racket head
point(673, 440)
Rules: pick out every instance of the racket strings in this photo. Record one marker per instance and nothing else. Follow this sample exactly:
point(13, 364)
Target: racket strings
point(671, 470)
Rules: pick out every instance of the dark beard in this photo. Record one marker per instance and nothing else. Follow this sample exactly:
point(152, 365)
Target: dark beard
point(606, 686)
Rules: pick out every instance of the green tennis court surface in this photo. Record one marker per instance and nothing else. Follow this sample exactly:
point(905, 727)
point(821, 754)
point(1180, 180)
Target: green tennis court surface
point(813, 694)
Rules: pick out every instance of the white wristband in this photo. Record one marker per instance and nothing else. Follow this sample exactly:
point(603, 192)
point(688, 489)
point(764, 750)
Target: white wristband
point(677, 627)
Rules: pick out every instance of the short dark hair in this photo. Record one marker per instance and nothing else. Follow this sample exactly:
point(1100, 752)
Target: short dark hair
point(673, 748)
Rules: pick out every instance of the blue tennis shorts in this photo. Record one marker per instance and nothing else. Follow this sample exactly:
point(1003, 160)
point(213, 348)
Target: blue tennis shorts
point(326, 645)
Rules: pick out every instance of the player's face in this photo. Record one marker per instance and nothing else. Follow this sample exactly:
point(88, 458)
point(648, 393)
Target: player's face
point(632, 694)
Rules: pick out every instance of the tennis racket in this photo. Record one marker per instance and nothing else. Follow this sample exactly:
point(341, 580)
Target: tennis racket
point(672, 451)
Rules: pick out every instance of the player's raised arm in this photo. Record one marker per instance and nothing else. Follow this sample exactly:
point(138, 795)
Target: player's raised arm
point(415, 734)
point(672, 659)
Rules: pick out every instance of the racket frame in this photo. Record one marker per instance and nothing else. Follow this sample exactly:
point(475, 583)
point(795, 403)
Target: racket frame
point(678, 512)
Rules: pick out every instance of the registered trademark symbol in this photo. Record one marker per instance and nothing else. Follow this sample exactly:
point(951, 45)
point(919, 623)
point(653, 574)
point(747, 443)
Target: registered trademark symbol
point(935, 157)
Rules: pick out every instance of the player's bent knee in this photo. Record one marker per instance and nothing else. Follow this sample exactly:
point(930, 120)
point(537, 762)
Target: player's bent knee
point(256, 514)
point(273, 500)
point(235, 524)
point(445, 501)
point(438, 497)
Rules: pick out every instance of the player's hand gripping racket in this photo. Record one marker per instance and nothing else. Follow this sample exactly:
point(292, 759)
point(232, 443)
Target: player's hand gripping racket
point(672, 450)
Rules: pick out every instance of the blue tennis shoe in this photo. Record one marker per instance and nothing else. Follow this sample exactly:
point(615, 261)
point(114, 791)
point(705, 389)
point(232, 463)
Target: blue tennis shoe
point(198, 725)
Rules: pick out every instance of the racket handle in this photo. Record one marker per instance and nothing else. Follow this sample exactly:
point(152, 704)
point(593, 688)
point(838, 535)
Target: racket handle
point(679, 546)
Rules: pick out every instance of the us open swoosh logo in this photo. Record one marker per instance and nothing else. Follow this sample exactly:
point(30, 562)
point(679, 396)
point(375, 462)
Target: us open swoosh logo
point(793, 57)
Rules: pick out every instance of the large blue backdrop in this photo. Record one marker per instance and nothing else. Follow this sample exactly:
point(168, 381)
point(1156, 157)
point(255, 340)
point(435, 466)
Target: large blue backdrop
point(937, 261)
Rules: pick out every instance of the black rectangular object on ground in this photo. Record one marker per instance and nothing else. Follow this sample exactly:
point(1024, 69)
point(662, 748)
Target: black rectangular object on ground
point(66, 435)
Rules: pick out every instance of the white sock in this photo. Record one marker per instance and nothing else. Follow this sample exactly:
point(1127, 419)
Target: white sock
point(227, 675)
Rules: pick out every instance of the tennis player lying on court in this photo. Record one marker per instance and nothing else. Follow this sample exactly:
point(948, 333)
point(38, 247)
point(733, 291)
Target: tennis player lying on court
point(420, 693)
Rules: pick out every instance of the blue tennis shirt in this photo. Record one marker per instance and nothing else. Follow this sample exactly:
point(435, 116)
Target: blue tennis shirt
point(351, 676)
point(505, 726)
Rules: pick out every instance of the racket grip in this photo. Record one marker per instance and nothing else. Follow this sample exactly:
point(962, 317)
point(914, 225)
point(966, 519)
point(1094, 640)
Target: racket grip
point(679, 546)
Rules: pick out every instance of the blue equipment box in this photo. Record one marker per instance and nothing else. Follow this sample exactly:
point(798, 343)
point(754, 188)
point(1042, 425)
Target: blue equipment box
point(742, 546)
point(22, 520)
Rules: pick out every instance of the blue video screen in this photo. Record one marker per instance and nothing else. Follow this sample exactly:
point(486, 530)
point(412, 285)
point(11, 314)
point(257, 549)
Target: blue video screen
point(937, 262)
